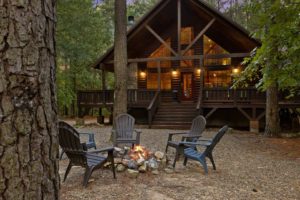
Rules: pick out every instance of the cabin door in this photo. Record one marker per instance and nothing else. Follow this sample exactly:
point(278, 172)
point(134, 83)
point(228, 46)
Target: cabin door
point(186, 86)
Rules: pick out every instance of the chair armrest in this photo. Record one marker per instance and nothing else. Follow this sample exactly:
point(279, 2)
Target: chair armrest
point(171, 135)
point(137, 131)
point(85, 133)
point(201, 143)
point(190, 137)
point(108, 149)
point(205, 139)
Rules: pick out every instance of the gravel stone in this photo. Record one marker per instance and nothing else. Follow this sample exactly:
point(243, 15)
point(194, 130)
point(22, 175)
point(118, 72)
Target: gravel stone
point(245, 163)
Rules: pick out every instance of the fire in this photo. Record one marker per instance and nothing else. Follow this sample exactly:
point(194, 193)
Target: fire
point(139, 152)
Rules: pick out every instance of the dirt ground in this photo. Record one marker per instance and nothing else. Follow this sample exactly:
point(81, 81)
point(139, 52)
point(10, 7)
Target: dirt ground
point(248, 167)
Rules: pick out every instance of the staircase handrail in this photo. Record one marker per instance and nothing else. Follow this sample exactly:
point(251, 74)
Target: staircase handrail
point(199, 102)
point(154, 104)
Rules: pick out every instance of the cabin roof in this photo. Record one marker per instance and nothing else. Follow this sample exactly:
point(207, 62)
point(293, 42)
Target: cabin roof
point(227, 33)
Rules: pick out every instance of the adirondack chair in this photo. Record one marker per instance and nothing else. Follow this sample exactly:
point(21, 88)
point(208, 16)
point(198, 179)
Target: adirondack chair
point(124, 131)
point(197, 128)
point(78, 156)
point(87, 145)
point(192, 153)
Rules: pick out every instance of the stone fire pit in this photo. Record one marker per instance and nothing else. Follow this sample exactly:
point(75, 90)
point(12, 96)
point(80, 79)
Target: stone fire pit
point(140, 160)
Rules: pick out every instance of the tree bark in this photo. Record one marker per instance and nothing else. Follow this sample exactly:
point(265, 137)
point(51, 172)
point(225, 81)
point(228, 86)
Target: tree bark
point(28, 111)
point(120, 58)
point(272, 115)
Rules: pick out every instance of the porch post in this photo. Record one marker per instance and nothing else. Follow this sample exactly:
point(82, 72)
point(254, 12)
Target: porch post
point(103, 77)
point(179, 27)
point(158, 76)
point(201, 65)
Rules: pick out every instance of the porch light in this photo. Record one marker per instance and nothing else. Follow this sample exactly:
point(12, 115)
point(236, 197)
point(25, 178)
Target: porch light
point(199, 71)
point(143, 74)
point(235, 70)
point(174, 72)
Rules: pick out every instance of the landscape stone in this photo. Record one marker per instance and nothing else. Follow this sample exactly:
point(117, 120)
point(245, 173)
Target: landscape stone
point(120, 168)
point(132, 164)
point(132, 173)
point(159, 155)
point(143, 168)
point(152, 163)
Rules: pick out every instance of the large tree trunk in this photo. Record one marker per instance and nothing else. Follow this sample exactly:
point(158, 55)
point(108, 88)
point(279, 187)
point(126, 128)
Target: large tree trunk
point(28, 121)
point(120, 58)
point(272, 116)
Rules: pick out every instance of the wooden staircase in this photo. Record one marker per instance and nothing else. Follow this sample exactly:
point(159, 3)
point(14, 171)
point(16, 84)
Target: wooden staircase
point(174, 115)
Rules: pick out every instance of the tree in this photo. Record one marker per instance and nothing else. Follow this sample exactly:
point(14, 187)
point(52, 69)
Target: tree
point(28, 112)
point(120, 58)
point(277, 60)
point(84, 31)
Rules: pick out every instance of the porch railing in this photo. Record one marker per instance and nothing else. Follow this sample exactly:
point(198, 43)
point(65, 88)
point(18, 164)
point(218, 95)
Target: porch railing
point(102, 97)
point(231, 96)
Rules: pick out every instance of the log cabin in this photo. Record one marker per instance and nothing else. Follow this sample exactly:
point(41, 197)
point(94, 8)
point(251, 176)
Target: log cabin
point(182, 58)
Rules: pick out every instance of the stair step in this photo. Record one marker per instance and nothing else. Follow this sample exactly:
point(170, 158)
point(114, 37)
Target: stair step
point(172, 122)
point(176, 114)
point(173, 127)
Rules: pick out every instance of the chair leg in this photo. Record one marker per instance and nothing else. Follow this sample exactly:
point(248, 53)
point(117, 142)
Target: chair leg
point(212, 161)
point(61, 155)
point(113, 170)
point(203, 162)
point(176, 157)
point(87, 175)
point(166, 151)
point(67, 171)
point(185, 161)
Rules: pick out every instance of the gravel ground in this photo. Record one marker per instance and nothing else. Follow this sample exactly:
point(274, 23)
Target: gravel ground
point(248, 167)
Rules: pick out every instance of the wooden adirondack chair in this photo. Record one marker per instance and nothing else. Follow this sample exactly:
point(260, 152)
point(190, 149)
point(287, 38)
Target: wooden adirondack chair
point(124, 131)
point(192, 153)
point(77, 154)
point(197, 128)
point(87, 145)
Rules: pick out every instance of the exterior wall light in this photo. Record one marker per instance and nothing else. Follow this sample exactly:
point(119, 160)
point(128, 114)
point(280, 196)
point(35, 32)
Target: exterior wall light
point(143, 74)
point(235, 70)
point(174, 72)
point(198, 71)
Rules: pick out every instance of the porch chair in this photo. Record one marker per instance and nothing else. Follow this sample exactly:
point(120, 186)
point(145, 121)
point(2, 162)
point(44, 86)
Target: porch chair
point(78, 154)
point(124, 131)
point(89, 144)
point(192, 153)
point(197, 128)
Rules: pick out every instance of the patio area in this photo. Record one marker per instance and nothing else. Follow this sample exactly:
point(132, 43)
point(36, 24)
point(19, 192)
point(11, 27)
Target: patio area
point(248, 167)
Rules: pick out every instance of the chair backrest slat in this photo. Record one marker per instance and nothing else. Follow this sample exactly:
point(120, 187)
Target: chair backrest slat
point(124, 126)
point(198, 126)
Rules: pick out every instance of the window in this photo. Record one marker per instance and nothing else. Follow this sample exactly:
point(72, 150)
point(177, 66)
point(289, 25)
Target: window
point(162, 51)
point(218, 78)
point(210, 47)
point(186, 35)
point(165, 80)
point(187, 63)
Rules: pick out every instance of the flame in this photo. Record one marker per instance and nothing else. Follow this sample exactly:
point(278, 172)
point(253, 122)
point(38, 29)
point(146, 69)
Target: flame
point(139, 152)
